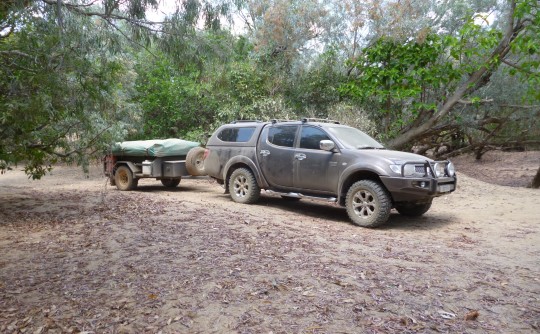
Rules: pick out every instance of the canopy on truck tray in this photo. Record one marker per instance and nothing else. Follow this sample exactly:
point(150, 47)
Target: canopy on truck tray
point(154, 148)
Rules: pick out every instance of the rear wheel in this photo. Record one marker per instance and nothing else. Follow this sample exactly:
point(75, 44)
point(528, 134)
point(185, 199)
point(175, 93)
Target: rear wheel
point(123, 178)
point(243, 186)
point(413, 209)
point(368, 203)
point(195, 161)
point(170, 183)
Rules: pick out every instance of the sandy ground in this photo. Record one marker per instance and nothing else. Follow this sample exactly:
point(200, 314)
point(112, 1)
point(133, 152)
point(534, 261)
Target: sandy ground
point(76, 255)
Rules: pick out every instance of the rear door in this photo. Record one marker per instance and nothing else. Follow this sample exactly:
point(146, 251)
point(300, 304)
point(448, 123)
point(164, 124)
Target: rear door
point(276, 154)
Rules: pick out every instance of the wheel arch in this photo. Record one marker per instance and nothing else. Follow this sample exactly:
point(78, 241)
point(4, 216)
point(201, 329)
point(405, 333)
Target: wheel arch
point(348, 179)
point(243, 162)
point(128, 164)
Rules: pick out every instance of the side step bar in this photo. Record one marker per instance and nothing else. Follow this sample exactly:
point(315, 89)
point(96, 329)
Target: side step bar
point(298, 195)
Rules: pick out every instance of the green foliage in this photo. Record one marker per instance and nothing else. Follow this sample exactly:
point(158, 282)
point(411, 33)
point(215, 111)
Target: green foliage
point(174, 99)
point(315, 88)
point(244, 93)
point(400, 81)
point(58, 101)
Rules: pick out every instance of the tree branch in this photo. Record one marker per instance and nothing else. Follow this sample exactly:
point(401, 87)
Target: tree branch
point(517, 67)
point(80, 9)
point(83, 148)
point(518, 106)
point(475, 102)
point(15, 53)
point(128, 38)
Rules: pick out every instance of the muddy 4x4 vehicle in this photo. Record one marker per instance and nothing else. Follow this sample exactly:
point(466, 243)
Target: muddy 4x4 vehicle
point(325, 160)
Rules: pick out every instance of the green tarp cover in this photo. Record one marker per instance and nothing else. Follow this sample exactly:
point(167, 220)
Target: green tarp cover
point(154, 148)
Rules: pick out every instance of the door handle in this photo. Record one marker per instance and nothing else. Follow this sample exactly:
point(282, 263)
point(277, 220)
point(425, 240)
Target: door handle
point(264, 153)
point(300, 156)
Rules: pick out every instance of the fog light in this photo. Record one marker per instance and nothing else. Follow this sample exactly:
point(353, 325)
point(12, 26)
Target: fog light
point(421, 184)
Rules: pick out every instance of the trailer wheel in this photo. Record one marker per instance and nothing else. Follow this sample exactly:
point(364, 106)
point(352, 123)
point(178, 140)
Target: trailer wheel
point(170, 183)
point(195, 161)
point(124, 179)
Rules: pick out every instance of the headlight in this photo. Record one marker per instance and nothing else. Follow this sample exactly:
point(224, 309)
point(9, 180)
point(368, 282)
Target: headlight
point(409, 170)
point(439, 169)
point(450, 169)
point(396, 169)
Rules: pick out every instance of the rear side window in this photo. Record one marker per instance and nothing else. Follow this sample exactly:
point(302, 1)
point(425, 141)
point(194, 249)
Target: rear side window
point(282, 135)
point(239, 135)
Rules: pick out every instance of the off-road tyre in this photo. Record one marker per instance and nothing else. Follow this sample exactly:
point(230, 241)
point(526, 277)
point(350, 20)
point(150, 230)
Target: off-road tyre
point(170, 183)
point(243, 186)
point(413, 209)
point(195, 161)
point(368, 203)
point(123, 178)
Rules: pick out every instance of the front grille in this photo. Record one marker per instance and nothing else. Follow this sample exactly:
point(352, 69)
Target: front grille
point(420, 169)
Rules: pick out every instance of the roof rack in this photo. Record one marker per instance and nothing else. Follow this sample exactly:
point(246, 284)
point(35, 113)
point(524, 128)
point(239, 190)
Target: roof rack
point(275, 120)
point(320, 120)
point(246, 121)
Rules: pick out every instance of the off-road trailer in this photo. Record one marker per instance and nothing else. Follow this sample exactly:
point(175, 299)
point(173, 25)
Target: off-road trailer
point(166, 160)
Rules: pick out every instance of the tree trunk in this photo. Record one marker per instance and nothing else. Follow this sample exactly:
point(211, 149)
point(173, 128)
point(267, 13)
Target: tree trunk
point(536, 181)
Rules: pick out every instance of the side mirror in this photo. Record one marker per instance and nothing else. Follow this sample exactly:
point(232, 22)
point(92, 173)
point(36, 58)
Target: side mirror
point(327, 145)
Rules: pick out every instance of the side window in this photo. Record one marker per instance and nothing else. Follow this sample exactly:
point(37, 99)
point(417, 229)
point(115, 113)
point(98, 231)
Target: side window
point(311, 137)
point(236, 134)
point(282, 135)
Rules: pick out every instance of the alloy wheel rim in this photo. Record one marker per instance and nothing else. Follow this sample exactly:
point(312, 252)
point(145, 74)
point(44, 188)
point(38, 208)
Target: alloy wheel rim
point(364, 204)
point(240, 186)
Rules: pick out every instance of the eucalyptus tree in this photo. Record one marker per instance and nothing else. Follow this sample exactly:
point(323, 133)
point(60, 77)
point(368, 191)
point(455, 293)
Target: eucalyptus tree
point(65, 87)
point(67, 73)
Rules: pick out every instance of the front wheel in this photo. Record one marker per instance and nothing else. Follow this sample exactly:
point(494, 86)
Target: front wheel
point(368, 203)
point(170, 183)
point(413, 209)
point(123, 178)
point(243, 186)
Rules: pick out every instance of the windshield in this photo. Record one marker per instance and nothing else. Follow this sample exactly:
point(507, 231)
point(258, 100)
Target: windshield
point(354, 138)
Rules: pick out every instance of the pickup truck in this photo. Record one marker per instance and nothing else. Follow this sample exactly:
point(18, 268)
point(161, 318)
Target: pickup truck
point(324, 160)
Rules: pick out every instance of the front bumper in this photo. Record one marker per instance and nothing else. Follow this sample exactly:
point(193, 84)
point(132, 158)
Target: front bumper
point(407, 189)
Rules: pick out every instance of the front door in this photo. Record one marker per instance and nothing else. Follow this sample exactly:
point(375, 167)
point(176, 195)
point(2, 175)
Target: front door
point(315, 169)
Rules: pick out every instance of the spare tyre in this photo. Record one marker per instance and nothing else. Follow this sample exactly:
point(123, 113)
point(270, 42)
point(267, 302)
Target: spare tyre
point(195, 161)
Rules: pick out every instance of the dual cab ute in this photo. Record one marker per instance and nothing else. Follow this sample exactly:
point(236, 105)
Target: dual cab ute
point(320, 159)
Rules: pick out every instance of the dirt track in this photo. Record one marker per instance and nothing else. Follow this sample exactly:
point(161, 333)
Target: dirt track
point(79, 256)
